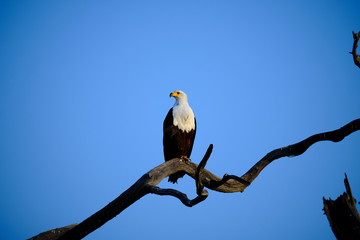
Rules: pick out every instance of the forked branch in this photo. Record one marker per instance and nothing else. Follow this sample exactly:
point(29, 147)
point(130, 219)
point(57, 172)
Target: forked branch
point(202, 194)
point(204, 178)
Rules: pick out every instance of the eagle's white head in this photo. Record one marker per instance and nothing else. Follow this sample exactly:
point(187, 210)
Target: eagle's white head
point(180, 96)
point(183, 115)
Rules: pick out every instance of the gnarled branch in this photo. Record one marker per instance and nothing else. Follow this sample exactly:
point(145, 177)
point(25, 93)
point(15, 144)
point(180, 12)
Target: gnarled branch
point(355, 45)
point(199, 171)
point(301, 147)
point(202, 194)
point(229, 183)
point(175, 193)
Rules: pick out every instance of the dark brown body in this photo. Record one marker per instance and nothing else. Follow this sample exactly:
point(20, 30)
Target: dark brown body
point(177, 143)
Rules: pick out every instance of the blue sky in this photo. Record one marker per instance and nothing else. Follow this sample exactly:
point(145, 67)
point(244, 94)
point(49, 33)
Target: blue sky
point(84, 88)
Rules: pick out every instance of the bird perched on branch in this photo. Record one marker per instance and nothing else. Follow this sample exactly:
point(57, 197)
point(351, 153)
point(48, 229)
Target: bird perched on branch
point(179, 131)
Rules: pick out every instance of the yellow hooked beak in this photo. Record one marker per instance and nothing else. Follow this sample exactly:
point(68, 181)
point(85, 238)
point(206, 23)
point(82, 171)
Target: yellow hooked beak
point(175, 94)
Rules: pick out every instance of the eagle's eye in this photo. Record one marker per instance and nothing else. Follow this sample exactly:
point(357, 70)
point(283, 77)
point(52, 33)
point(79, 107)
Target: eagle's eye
point(178, 93)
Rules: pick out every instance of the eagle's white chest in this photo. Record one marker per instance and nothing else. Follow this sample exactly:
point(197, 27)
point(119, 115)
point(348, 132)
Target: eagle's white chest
point(183, 117)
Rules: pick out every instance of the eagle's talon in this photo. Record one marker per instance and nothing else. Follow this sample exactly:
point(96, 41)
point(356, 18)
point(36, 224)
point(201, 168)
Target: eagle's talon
point(185, 158)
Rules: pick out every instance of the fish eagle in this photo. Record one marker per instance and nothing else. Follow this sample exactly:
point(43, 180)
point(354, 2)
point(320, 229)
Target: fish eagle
point(179, 131)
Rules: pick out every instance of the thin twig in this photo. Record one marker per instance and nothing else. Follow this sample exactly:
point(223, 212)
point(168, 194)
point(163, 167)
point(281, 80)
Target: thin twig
point(356, 57)
point(175, 193)
point(227, 177)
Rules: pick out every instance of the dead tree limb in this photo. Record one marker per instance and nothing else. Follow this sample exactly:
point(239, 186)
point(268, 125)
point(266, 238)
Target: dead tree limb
point(343, 216)
point(355, 45)
point(53, 233)
point(199, 171)
point(300, 147)
point(175, 193)
point(204, 178)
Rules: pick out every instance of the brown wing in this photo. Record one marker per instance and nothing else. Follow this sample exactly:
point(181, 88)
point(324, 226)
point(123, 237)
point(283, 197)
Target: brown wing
point(170, 138)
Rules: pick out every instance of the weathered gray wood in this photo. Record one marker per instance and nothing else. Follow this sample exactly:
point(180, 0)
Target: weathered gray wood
point(175, 193)
point(229, 183)
point(146, 184)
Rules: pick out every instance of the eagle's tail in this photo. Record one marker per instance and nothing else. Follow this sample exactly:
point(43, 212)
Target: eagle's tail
point(174, 177)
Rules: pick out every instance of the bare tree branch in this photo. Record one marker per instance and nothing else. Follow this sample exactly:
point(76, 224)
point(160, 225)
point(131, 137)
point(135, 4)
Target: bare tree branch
point(202, 194)
point(199, 171)
point(229, 183)
point(53, 234)
point(175, 193)
point(355, 45)
point(301, 147)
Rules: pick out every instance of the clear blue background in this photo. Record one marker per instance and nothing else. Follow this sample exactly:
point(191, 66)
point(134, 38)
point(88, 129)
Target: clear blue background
point(84, 88)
